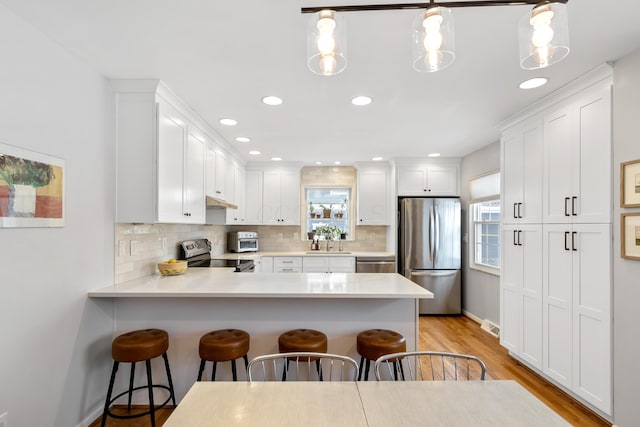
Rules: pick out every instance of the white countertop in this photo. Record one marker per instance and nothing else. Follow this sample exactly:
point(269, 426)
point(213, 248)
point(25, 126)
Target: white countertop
point(336, 253)
point(224, 283)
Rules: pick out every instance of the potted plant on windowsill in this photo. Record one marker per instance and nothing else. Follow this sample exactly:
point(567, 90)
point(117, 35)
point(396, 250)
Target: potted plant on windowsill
point(23, 177)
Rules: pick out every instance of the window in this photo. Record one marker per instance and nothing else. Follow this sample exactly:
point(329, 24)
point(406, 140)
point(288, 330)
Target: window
point(484, 223)
point(328, 212)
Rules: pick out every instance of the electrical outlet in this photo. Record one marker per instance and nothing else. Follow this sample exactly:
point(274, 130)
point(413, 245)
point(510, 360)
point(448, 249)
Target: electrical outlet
point(4, 420)
point(122, 248)
point(133, 247)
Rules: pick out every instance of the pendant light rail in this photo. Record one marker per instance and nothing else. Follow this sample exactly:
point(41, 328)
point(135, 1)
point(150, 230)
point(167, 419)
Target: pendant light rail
point(451, 4)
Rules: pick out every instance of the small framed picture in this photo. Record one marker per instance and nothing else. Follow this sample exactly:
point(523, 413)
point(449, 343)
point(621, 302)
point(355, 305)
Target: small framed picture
point(630, 232)
point(630, 184)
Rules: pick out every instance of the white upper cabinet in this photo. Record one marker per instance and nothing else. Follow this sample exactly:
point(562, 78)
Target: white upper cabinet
point(577, 164)
point(521, 175)
point(253, 197)
point(281, 197)
point(428, 179)
point(194, 179)
point(373, 200)
point(237, 216)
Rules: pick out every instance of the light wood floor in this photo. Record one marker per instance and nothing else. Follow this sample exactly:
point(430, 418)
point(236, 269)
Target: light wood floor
point(460, 334)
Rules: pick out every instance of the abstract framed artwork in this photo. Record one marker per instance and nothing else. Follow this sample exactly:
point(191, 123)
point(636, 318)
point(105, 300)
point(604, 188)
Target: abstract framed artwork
point(31, 188)
point(630, 184)
point(630, 235)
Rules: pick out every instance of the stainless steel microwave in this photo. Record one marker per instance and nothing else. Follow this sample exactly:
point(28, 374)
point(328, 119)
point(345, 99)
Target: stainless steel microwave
point(242, 241)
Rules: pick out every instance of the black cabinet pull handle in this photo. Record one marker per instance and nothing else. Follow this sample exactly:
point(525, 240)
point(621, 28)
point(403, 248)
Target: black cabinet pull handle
point(519, 233)
point(514, 210)
point(519, 214)
point(573, 241)
point(574, 199)
point(566, 245)
point(515, 232)
point(566, 211)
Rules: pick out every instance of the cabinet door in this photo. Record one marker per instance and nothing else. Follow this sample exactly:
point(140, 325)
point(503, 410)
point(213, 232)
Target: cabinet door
point(592, 187)
point(194, 184)
point(253, 198)
point(372, 197)
point(530, 241)
point(271, 198)
point(511, 289)
point(412, 181)
point(512, 177)
point(232, 215)
point(266, 264)
point(558, 170)
point(220, 176)
point(172, 131)
point(290, 198)
point(240, 185)
point(442, 181)
point(557, 303)
point(342, 264)
point(315, 264)
point(591, 244)
point(532, 163)
point(211, 173)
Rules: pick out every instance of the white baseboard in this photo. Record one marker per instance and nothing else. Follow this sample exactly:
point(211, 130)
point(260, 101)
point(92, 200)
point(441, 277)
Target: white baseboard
point(91, 417)
point(472, 316)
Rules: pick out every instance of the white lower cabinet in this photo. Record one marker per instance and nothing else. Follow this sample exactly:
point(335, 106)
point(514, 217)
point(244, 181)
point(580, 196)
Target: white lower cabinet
point(521, 288)
point(328, 264)
point(577, 309)
point(288, 264)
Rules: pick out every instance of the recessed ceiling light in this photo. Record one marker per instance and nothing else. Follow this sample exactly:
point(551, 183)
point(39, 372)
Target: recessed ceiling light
point(361, 100)
point(243, 139)
point(228, 122)
point(337, 162)
point(434, 155)
point(533, 83)
point(318, 163)
point(272, 100)
point(376, 159)
point(276, 159)
point(254, 153)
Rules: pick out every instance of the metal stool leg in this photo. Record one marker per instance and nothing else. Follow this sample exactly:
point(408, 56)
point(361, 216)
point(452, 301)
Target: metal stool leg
point(109, 391)
point(233, 370)
point(366, 370)
point(213, 371)
point(284, 371)
point(319, 369)
point(152, 408)
point(202, 362)
point(166, 366)
point(399, 362)
point(361, 366)
point(131, 375)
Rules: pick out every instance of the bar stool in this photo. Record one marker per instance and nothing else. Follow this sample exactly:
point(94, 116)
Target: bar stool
point(374, 343)
point(138, 346)
point(223, 345)
point(308, 340)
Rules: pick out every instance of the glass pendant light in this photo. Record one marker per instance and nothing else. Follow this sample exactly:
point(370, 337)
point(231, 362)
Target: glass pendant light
point(544, 36)
point(433, 40)
point(326, 43)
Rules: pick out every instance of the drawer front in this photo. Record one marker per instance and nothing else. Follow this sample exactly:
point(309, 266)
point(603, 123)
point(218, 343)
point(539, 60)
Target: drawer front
point(287, 269)
point(342, 264)
point(287, 262)
point(315, 264)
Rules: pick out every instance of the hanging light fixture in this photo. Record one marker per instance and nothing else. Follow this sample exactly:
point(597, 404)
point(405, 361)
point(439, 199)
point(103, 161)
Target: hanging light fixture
point(326, 43)
point(544, 36)
point(433, 41)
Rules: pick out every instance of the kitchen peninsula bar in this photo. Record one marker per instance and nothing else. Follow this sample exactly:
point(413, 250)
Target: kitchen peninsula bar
point(265, 305)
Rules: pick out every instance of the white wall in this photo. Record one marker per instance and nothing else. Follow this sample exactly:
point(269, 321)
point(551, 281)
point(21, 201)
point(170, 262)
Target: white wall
point(55, 343)
point(480, 290)
point(626, 273)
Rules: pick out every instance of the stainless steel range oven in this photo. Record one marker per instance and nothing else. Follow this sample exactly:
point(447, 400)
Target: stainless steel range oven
point(197, 253)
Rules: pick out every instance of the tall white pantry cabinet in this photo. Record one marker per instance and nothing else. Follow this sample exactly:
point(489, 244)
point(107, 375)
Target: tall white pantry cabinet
point(555, 284)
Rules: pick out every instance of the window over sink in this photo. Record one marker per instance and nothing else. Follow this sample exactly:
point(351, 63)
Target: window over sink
point(329, 212)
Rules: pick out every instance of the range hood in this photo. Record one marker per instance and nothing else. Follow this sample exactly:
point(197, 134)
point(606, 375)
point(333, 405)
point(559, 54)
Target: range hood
point(213, 202)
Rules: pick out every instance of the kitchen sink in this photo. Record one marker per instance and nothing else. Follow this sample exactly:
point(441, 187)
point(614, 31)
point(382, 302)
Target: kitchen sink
point(328, 253)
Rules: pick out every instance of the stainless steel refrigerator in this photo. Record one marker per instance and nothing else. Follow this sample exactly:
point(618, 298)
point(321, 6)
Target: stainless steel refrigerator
point(429, 250)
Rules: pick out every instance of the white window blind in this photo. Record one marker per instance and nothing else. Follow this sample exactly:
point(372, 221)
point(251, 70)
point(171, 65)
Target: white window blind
point(485, 187)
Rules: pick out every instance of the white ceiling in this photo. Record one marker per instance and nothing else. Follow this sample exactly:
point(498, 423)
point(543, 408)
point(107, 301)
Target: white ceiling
point(223, 57)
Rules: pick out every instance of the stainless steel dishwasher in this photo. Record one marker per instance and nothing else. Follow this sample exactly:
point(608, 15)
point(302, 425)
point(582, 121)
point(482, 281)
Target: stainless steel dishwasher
point(379, 264)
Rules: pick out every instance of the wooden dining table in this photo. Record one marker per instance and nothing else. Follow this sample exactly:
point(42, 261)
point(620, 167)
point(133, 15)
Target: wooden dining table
point(354, 404)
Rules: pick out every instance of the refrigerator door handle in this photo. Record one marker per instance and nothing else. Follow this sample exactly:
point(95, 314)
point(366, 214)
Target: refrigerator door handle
point(436, 244)
point(431, 233)
point(430, 274)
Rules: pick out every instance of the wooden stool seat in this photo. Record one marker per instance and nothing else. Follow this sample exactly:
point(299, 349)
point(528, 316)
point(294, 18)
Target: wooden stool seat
point(139, 346)
point(223, 345)
point(373, 343)
point(302, 340)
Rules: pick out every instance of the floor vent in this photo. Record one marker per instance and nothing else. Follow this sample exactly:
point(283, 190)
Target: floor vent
point(491, 327)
